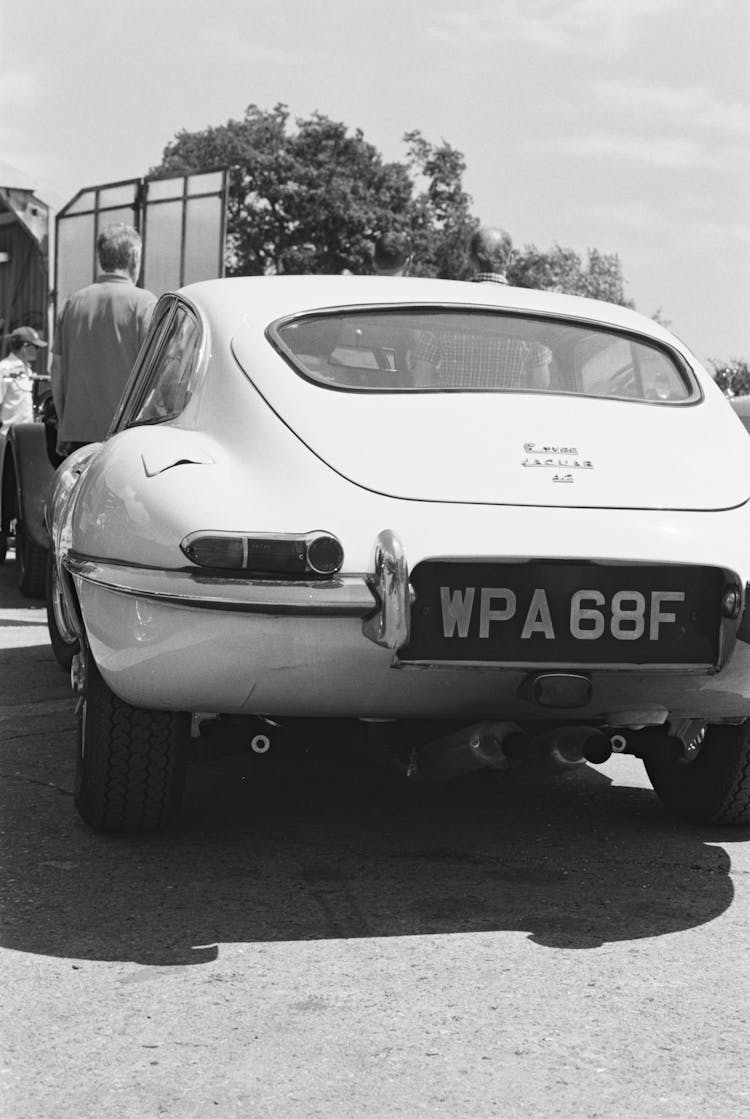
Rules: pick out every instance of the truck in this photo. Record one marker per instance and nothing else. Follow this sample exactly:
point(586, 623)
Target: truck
point(182, 222)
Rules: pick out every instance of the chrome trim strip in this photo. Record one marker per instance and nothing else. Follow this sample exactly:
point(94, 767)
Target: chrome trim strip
point(342, 596)
point(672, 669)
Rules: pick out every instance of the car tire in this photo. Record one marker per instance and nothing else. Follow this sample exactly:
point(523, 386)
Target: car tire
point(31, 561)
point(131, 762)
point(63, 649)
point(3, 546)
point(714, 788)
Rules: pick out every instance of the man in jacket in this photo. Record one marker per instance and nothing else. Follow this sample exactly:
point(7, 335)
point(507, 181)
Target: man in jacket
point(100, 330)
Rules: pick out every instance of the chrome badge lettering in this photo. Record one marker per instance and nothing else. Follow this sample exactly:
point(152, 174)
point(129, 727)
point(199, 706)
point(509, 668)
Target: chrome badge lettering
point(561, 459)
point(538, 449)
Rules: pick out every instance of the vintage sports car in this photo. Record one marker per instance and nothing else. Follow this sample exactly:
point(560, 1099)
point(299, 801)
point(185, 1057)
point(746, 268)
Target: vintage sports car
point(459, 525)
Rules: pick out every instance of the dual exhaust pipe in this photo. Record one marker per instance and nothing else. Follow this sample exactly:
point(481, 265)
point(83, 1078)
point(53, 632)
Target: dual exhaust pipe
point(498, 745)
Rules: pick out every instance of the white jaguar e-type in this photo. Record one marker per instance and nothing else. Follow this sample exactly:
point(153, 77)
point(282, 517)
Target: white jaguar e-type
point(467, 524)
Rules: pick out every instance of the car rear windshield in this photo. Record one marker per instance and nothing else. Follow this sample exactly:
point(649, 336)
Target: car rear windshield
point(429, 350)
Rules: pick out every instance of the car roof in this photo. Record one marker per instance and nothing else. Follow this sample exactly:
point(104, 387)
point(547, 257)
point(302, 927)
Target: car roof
point(270, 297)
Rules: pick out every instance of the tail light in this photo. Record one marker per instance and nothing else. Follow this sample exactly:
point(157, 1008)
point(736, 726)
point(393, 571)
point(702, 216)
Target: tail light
point(310, 553)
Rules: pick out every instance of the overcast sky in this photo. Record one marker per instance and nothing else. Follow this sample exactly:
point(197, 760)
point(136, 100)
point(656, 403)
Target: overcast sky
point(588, 123)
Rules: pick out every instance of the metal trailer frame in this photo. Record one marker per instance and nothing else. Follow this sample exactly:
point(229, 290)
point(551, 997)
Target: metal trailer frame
point(182, 221)
point(143, 203)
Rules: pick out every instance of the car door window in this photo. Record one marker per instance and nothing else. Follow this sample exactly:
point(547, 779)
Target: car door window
point(169, 382)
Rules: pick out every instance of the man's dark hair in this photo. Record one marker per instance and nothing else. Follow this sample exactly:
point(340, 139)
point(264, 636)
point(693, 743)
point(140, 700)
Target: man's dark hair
point(118, 248)
point(491, 249)
point(392, 251)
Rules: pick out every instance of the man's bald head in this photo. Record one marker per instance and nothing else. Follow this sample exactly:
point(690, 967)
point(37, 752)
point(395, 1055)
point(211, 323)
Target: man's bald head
point(491, 249)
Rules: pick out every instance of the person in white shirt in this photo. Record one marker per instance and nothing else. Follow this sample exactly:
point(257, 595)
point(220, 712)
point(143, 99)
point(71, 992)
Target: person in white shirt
point(17, 377)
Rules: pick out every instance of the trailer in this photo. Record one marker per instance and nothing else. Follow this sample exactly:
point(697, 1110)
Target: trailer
point(182, 222)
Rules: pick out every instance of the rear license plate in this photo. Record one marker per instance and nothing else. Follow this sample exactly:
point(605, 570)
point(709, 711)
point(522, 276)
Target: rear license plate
point(564, 613)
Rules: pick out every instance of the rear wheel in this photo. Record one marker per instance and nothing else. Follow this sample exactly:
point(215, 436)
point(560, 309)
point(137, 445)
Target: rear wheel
point(30, 564)
point(57, 623)
point(714, 788)
point(131, 761)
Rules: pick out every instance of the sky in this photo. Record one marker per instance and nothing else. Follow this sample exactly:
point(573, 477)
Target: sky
point(623, 127)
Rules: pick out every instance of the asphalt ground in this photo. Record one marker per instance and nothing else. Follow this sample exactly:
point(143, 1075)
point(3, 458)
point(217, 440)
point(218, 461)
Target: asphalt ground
point(319, 938)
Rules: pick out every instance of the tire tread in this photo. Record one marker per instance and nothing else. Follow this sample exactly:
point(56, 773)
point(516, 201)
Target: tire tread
point(132, 770)
point(31, 564)
point(713, 789)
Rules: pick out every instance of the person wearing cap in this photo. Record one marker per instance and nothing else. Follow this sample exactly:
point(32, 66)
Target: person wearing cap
point(100, 330)
point(17, 377)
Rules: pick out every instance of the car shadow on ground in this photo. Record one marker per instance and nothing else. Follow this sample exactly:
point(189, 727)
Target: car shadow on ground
point(334, 849)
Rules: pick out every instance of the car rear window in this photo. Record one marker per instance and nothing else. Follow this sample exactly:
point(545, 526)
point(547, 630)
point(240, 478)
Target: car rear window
point(429, 350)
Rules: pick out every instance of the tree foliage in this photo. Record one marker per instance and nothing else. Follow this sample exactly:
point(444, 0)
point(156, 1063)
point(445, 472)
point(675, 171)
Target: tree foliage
point(441, 223)
point(309, 200)
point(312, 197)
point(561, 269)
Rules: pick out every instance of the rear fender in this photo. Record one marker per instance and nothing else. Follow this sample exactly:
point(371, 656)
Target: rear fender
point(57, 517)
point(61, 493)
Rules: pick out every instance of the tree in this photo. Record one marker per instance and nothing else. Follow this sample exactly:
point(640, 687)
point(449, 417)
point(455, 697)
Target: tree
point(561, 269)
point(310, 200)
point(313, 196)
point(441, 224)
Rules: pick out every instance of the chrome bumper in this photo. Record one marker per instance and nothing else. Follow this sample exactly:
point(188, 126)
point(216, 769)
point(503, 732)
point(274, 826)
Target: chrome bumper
point(344, 595)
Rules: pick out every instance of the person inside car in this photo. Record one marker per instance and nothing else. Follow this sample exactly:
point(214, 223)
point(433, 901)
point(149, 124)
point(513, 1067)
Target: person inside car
point(482, 361)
